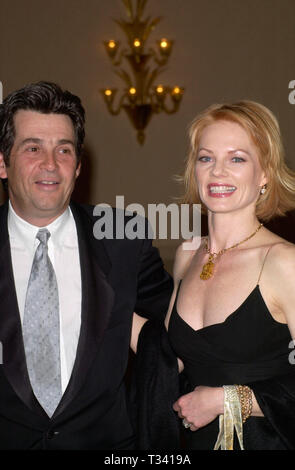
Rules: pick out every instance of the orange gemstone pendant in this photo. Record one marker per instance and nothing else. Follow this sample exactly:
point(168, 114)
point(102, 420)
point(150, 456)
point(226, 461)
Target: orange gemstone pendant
point(207, 270)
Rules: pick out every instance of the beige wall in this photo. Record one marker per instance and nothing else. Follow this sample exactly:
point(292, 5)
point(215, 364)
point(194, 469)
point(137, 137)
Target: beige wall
point(224, 50)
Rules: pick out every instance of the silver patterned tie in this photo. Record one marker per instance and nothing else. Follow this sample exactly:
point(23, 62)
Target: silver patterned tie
point(41, 328)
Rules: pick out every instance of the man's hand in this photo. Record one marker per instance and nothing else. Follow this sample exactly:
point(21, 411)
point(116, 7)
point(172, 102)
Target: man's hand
point(201, 406)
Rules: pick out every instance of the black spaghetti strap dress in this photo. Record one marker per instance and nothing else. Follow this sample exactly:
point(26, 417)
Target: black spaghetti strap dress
point(249, 346)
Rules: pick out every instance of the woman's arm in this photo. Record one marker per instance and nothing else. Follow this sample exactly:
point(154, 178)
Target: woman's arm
point(204, 404)
point(280, 274)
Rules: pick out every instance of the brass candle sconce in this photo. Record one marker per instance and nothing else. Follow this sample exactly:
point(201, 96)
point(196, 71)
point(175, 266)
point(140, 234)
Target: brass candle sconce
point(141, 98)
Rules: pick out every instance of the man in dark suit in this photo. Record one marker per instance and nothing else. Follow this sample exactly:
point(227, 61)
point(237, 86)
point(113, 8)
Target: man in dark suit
point(67, 298)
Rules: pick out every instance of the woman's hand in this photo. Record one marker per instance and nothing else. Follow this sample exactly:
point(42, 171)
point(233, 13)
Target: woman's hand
point(201, 406)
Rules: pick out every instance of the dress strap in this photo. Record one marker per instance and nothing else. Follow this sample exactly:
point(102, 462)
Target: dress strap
point(268, 250)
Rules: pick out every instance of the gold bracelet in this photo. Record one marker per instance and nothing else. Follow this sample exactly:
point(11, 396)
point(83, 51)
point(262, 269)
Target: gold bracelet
point(243, 401)
point(245, 397)
point(230, 421)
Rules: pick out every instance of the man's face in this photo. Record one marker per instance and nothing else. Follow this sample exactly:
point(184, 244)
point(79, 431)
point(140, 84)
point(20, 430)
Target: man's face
point(43, 166)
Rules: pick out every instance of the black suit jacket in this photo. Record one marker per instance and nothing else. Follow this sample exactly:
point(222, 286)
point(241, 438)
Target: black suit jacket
point(118, 277)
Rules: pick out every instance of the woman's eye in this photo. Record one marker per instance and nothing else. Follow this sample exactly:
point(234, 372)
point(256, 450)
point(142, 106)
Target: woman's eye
point(238, 159)
point(204, 159)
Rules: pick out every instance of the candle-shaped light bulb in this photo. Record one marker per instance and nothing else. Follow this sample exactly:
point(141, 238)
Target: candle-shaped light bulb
point(112, 44)
point(177, 93)
point(164, 43)
point(137, 43)
point(160, 92)
point(160, 89)
point(165, 46)
point(109, 94)
point(132, 94)
point(112, 47)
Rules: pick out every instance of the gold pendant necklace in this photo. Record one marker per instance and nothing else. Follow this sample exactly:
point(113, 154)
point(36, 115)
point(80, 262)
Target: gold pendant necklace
point(208, 268)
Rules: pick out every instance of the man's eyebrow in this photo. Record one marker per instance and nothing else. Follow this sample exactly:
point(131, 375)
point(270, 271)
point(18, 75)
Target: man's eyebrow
point(66, 141)
point(29, 140)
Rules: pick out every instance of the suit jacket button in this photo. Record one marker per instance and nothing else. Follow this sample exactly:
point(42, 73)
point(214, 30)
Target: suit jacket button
point(52, 434)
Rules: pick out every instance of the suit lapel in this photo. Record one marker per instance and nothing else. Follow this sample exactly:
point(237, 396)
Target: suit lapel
point(14, 362)
point(97, 302)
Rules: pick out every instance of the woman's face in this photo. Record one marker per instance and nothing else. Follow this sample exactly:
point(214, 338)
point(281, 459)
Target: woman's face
point(228, 173)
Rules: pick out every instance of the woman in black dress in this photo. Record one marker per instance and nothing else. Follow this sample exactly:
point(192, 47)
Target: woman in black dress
point(231, 318)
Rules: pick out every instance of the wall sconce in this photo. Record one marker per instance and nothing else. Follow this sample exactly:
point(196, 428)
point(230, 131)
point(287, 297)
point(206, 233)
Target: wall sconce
point(141, 97)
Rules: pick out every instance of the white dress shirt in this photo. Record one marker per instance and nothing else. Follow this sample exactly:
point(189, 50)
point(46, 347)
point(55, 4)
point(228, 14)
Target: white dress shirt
point(64, 254)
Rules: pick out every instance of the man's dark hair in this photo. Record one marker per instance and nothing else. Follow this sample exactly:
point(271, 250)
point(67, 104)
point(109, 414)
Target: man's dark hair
point(42, 97)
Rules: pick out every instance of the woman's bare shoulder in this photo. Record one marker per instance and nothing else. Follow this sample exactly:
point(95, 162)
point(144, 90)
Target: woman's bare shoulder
point(276, 242)
point(281, 256)
point(282, 251)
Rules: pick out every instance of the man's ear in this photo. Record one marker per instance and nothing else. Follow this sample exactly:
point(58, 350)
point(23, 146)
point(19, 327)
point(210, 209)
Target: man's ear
point(78, 169)
point(3, 172)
